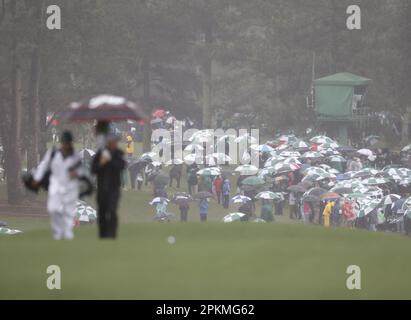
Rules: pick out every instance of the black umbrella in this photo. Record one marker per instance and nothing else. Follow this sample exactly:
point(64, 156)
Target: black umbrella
point(305, 184)
point(316, 192)
point(138, 165)
point(161, 180)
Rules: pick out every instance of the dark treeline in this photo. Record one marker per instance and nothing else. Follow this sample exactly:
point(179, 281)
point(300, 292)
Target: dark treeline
point(198, 58)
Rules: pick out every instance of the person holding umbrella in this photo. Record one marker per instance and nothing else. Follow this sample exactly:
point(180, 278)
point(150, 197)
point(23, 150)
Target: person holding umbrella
point(108, 165)
point(182, 199)
point(203, 206)
point(225, 190)
point(217, 183)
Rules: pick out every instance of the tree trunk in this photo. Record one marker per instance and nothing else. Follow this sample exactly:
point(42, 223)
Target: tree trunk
point(147, 102)
point(33, 112)
point(12, 147)
point(206, 75)
point(33, 123)
point(405, 127)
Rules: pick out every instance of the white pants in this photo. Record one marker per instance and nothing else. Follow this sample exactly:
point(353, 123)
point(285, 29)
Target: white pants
point(62, 223)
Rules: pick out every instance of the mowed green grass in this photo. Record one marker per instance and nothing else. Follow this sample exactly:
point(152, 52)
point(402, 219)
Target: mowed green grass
point(207, 261)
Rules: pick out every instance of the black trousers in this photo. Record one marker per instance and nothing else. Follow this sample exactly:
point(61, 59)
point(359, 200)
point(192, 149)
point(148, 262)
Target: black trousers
point(226, 200)
point(107, 213)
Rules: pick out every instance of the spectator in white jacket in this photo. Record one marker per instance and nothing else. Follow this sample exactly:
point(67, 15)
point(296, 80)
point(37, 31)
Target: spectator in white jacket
point(63, 192)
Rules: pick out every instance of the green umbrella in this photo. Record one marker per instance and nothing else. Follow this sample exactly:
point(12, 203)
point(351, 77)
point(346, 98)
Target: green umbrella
point(253, 181)
point(236, 216)
point(368, 206)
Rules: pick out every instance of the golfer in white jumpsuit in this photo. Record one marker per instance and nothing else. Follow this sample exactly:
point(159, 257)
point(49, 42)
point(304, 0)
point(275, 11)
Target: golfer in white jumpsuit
point(63, 191)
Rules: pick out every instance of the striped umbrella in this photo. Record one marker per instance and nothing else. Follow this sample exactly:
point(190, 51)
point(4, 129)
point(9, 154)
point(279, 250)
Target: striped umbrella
point(321, 140)
point(301, 145)
point(370, 191)
point(181, 198)
point(315, 170)
point(337, 158)
point(357, 195)
point(405, 182)
point(235, 216)
point(329, 152)
point(285, 167)
point(240, 199)
point(368, 206)
point(268, 195)
point(374, 181)
point(157, 200)
point(318, 177)
point(365, 173)
point(292, 160)
point(85, 214)
point(290, 153)
point(390, 199)
point(273, 161)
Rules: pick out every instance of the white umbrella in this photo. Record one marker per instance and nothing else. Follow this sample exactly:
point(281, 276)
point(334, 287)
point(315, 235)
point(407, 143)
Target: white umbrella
point(8, 231)
point(365, 152)
point(247, 169)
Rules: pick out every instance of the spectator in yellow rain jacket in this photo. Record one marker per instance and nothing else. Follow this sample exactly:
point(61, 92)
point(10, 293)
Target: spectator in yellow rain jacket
point(130, 146)
point(327, 213)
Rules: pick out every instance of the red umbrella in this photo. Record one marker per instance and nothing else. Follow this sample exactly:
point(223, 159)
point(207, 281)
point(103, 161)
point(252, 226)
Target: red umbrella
point(102, 108)
point(159, 113)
